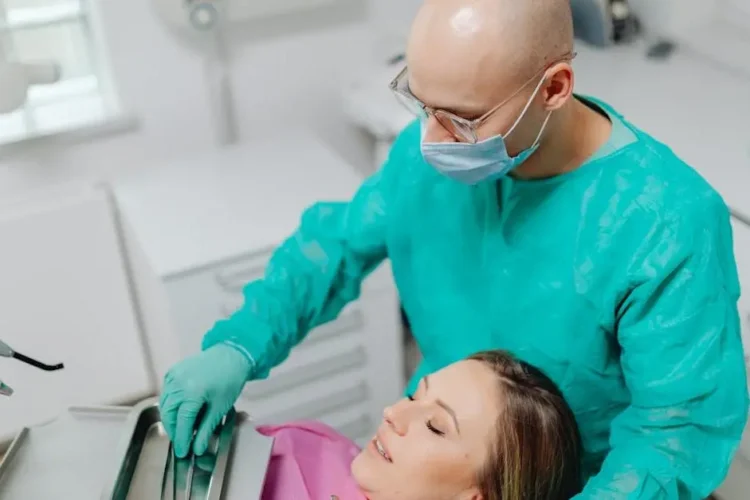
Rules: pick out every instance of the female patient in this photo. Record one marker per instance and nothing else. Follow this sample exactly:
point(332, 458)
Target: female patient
point(486, 428)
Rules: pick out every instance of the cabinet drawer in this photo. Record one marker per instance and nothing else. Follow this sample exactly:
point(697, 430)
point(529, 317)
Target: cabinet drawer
point(343, 373)
point(306, 366)
point(199, 299)
point(233, 277)
point(341, 400)
point(317, 408)
point(354, 423)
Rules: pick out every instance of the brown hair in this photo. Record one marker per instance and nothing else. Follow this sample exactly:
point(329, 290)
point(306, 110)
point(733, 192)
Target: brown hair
point(537, 451)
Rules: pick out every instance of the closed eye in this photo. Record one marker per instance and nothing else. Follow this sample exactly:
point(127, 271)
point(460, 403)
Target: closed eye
point(434, 430)
point(429, 425)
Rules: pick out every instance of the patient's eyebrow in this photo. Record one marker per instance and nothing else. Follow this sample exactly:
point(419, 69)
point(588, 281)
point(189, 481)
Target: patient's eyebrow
point(443, 404)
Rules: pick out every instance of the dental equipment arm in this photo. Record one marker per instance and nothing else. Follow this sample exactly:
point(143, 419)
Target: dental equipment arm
point(7, 352)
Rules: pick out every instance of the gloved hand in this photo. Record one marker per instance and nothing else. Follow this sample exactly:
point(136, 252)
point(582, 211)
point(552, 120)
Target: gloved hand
point(214, 379)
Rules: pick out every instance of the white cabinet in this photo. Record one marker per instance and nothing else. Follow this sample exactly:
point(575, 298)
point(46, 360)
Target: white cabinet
point(343, 373)
point(209, 225)
point(65, 296)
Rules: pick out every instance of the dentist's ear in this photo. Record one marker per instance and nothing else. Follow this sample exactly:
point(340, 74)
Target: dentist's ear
point(558, 87)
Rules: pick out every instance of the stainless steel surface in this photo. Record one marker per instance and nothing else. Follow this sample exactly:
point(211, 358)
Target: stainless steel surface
point(80, 454)
point(146, 458)
point(167, 492)
point(142, 467)
point(63, 459)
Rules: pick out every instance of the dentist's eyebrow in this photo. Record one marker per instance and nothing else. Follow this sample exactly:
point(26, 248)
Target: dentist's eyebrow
point(456, 109)
point(443, 405)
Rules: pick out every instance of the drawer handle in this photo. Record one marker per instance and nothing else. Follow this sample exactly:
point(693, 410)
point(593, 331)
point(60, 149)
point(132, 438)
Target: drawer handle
point(235, 281)
point(351, 359)
point(316, 408)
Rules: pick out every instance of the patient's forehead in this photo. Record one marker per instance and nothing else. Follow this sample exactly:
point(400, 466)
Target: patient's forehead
point(472, 390)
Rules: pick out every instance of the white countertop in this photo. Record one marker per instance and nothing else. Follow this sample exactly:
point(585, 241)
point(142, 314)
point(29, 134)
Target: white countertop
point(699, 110)
point(229, 202)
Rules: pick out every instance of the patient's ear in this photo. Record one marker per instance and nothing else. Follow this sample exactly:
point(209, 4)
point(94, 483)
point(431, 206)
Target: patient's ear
point(471, 494)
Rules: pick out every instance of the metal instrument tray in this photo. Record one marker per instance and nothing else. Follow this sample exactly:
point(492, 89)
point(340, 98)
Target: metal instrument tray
point(65, 458)
point(113, 453)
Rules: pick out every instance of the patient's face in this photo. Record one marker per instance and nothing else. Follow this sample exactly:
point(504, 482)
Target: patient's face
point(435, 444)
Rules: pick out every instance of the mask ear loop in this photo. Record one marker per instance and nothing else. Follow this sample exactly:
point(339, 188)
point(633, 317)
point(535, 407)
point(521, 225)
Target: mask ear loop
point(526, 108)
point(541, 130)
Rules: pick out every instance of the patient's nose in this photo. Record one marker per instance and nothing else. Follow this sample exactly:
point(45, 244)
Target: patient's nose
point(390, 418)
point(400, 416)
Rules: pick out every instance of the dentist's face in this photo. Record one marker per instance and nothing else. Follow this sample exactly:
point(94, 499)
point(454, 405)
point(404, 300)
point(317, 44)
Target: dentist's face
point(432, 446)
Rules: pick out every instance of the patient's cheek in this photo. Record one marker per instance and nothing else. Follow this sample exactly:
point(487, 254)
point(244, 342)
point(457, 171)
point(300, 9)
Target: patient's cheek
point(422, 472)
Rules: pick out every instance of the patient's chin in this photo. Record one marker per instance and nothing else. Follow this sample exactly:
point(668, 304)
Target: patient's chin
point(357, 466)
point(364, 471)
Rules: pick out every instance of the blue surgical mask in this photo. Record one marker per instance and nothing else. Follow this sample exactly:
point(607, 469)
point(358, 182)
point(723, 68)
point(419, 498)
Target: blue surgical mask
point(482, 161)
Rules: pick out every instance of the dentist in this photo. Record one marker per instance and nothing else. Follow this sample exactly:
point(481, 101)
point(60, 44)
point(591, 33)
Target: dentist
point(519, 215)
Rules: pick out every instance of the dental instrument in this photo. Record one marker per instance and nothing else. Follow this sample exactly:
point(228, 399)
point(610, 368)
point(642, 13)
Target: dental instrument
point(7, 352)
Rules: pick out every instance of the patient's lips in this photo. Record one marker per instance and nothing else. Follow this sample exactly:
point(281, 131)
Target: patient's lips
point(380, 448)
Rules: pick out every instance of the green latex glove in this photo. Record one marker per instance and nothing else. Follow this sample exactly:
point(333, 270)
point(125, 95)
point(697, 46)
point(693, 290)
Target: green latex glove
point(212, 379)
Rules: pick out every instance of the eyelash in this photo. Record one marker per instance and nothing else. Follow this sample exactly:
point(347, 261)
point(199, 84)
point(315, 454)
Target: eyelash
point(429, 424)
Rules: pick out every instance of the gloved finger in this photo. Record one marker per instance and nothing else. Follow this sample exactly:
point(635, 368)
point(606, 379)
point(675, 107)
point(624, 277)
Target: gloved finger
point(169, 405)
point(207, 427)
point(186, 417)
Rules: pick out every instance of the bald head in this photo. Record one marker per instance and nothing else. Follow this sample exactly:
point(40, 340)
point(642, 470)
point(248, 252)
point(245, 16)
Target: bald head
point(463, 54)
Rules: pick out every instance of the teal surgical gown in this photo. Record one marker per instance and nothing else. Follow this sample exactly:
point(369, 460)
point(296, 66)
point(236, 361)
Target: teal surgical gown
point(617, 279)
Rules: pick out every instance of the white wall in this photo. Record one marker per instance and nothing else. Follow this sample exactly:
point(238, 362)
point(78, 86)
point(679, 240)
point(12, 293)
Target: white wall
point(392, 20)
point(668, 17)
point(289, 79)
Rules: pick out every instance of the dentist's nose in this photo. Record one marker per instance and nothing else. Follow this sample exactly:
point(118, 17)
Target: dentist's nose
point(435, 132)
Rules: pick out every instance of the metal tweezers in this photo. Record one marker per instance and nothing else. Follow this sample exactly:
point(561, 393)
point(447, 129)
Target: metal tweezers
point(177, 468)
point(179, 473)
point(167, 492)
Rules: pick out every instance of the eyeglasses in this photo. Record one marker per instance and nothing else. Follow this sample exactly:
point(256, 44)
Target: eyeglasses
point(461, 129)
